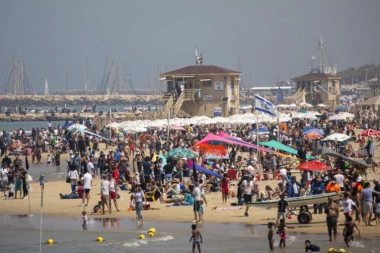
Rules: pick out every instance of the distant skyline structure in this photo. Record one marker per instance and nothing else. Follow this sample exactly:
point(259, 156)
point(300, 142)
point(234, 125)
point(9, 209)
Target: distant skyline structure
point(17, 81)
point(115, 79)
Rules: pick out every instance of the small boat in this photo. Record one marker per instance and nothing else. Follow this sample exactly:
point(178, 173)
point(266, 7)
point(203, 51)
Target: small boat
point(297, 201)
point(304, 216)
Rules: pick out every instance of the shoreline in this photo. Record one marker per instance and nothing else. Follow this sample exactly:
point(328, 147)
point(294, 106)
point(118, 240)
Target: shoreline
point(55, 208)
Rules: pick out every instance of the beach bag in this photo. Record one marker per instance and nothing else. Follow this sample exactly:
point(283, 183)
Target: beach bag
point(68, 180)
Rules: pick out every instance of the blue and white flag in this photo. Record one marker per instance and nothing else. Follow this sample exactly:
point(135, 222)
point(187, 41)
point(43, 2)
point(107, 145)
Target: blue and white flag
point(263, 105)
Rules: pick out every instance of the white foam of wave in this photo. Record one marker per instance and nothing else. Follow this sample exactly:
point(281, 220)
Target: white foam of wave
point(138, 243)
point(131, 244)
point(358, 244)
point(163, 238)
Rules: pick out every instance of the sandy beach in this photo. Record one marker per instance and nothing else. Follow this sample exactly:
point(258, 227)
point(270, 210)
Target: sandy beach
point(54, 207)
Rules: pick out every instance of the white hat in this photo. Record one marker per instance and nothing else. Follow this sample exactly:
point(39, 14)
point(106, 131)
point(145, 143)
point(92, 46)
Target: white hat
point(359, 179)
point(232, 166)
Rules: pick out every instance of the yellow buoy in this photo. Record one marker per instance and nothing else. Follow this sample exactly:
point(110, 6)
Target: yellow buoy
point(152, 230)
point(142, 237)
point(50, 241)
point(150, 234)
point(342, 251)
point(332, 250)
point(99, 239)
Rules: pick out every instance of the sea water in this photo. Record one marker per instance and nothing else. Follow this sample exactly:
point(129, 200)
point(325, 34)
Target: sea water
point(22, 234)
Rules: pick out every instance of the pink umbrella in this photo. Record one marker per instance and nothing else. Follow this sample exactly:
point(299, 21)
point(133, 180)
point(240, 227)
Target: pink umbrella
point(177, 128)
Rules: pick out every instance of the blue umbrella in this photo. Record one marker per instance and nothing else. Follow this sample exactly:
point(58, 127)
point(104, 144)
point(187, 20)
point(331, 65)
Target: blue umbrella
point(261, 130)
point(319, 131)
point(206, 171)
point(66, 125)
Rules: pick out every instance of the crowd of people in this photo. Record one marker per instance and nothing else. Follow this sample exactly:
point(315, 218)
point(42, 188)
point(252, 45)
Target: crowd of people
point(137, 162)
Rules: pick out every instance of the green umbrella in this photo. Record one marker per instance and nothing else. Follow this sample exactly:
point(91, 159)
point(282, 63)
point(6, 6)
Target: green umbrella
point(183, 152)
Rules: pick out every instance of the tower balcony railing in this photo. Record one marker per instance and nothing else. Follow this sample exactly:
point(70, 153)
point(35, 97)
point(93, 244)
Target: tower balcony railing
point(190, 95)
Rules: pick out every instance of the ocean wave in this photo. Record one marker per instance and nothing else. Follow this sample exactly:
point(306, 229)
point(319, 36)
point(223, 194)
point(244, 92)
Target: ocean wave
point(138, 243)
point(163, 238)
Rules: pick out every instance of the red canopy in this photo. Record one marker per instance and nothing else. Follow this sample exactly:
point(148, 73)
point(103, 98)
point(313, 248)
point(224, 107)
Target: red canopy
point(232, 140)
point(370, 132)
point(313, 165)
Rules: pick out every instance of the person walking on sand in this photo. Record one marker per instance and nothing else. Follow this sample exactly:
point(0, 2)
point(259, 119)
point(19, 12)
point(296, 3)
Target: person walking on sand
point(224, 183)
point(248, 187)
point(197, 198)
point(196, 237)
point(105, 194)
point(139, 199)
point(87, 179)
point(113, 194)
point(332, 212)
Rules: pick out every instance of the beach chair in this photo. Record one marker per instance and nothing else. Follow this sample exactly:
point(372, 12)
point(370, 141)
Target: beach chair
point(152, 196)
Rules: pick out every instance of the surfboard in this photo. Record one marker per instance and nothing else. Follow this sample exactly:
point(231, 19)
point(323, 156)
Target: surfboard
point(297, 201)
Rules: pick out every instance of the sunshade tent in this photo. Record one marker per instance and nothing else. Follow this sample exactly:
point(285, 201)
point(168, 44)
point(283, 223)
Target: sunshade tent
point(337, 137)
point(329, 152)
point(313, 165)
point(225, 138)
point(183, 152)
point(282, 147)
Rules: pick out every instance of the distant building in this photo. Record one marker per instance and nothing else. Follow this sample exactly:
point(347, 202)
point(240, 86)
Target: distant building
point(201, 90)
point(319, 88)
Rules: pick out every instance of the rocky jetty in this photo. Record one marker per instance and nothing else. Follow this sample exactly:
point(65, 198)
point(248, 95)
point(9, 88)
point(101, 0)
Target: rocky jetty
point(60, 100)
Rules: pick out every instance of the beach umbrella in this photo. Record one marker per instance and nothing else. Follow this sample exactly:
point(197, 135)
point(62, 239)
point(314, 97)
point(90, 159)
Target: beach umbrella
point(313, 165)
point(261, 130)
point(177, 128)
point(66, 125)
point(183, 152)
point(316, 130)
point(370, 132)
point(337, 137)
point(313, 136)
point(74, 127)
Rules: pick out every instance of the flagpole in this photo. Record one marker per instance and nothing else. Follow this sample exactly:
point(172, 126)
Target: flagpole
point(42, 203)
point(257, 127)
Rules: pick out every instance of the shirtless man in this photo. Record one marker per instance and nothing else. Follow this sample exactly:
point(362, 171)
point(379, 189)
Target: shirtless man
point(196, 237)
point(348, 231)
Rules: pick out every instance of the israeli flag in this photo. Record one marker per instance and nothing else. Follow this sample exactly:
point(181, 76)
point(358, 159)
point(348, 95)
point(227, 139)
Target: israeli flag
point(263, 105)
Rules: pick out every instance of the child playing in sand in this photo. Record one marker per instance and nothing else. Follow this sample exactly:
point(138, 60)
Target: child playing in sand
point(311, 247)
point(11, 193)
point(85, 220)
point(348, 231)
point(270, 235)
point(42, 181)
point(282, 232)
point(48, 162)
point(196, 237)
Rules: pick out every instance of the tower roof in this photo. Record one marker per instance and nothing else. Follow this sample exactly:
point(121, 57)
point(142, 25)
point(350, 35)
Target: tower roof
point(315, 76)
point(202, 70)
